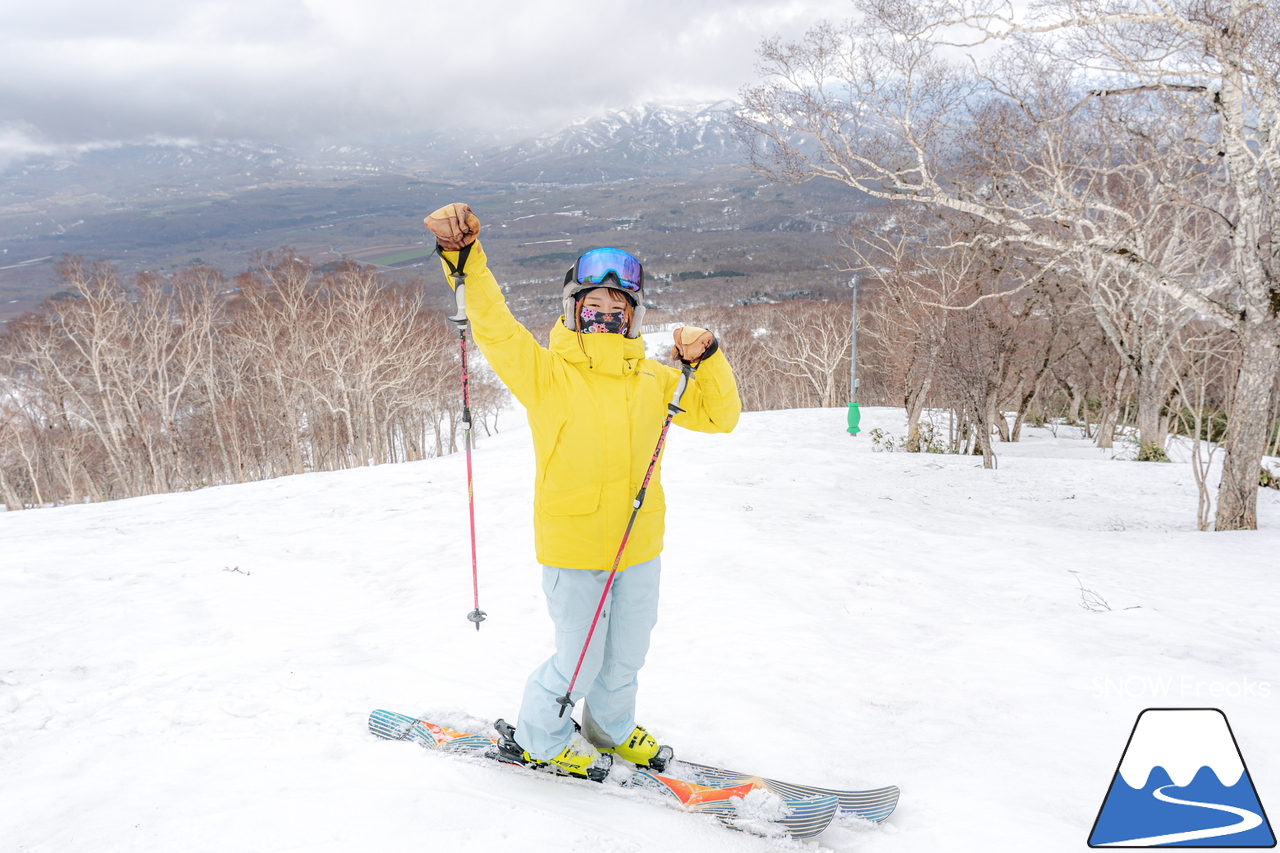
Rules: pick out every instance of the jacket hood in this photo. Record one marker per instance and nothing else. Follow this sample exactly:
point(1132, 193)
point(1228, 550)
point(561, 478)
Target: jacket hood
point(608, 354)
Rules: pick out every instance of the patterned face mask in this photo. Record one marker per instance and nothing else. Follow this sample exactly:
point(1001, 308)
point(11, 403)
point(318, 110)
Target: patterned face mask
point(591, 320)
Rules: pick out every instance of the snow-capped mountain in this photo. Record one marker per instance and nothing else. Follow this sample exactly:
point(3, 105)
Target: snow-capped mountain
point(638, 140)
point(646, 132)
point(620, 143)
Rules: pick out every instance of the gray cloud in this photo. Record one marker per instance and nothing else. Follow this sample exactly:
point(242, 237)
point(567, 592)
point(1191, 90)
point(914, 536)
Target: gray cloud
point(80, 72)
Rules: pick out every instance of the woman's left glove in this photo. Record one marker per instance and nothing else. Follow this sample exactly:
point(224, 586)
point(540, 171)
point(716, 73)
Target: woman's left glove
point(692, 344)
point(454, 225)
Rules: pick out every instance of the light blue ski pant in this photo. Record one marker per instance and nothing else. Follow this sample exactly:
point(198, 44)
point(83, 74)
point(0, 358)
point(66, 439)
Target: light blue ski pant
point(608, 676)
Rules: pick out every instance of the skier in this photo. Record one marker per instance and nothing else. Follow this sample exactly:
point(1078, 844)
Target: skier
point(595, 407)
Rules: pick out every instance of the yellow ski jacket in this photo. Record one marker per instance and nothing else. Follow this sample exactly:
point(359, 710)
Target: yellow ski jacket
point(596, 407)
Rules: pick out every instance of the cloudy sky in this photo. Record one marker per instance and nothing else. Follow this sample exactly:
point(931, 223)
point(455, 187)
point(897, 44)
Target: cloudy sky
point(84, 72)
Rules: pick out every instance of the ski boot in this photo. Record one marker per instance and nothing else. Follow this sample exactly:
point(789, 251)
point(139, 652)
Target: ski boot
point(642, 750)
point(579, 758)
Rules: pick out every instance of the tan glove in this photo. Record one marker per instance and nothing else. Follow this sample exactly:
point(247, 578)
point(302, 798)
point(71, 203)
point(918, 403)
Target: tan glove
point(454, 225)
point(692, 343)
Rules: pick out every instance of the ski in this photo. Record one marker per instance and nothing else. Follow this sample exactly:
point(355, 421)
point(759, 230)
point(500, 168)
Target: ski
point(874, 804)
point(798, 810)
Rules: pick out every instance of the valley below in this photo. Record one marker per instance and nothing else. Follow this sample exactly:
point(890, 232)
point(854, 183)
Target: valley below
point(708, 229)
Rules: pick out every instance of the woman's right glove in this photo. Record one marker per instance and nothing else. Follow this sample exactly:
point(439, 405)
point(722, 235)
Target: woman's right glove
point(454, 226)
point(692, 344)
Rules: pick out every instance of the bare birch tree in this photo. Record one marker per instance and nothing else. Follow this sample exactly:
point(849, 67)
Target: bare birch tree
point(1202, 361)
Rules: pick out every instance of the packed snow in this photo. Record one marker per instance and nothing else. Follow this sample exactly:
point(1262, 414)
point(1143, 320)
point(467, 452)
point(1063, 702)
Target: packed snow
point(194, 671)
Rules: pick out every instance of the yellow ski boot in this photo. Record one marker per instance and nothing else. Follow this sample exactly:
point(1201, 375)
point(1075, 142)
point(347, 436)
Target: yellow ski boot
point(583, 760)
point(641, 749)
point(579, 758)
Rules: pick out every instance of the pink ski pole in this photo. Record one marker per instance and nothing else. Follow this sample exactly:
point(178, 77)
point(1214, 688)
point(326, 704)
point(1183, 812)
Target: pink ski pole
point(673, 409)
point(459, 319)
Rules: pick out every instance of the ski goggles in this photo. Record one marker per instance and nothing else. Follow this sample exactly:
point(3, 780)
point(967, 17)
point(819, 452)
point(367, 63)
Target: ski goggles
point(599, 264)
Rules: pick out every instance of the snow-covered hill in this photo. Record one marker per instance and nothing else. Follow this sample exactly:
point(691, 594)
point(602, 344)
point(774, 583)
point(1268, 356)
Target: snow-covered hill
point(193, 671)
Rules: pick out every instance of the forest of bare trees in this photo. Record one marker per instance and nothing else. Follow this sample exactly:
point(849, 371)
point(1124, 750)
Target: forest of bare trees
point(785, 355)
point(1131, 146)
point(163, 383)
point(187, 381)
point(996, 340)
point(118, 389)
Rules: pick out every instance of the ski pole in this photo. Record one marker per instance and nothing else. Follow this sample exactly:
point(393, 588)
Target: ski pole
point(673, 409)
point(459, 320)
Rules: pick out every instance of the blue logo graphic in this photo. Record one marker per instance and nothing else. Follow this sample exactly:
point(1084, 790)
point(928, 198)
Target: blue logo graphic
point(1182, 783)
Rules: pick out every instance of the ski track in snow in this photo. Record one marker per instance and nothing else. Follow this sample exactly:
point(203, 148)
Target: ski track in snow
point(194, 671)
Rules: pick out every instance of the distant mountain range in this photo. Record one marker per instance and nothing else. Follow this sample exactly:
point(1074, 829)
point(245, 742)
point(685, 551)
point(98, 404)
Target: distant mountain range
point(644, 140)
point(671, 177)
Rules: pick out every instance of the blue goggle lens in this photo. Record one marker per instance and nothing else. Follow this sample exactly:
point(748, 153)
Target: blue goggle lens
point(595, 266)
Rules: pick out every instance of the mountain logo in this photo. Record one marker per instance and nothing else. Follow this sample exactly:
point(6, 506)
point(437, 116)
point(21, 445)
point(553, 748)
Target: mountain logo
point(1181, 783)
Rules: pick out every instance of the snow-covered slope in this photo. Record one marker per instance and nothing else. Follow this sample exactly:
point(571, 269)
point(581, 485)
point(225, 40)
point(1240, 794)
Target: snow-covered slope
point(193, 672)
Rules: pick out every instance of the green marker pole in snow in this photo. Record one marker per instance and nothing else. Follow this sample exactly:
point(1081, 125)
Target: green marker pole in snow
point(854, 414)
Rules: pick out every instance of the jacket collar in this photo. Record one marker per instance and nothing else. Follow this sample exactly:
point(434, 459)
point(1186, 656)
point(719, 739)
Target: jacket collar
point(611, 355)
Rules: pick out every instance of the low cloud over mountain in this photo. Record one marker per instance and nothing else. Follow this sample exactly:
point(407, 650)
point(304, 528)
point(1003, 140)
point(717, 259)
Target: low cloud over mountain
point(76, 73)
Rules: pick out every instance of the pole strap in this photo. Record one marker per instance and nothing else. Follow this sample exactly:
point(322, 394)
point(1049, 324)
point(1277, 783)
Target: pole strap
point(456, 272)
point(459, 276)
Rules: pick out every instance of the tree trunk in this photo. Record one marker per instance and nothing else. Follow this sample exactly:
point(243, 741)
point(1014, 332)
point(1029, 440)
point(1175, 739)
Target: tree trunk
point(1016, 433)
point(985, 424)
point(1246, 436)
point(915, 407)
point(1024, 408)
point(984, 445)
point(1151, 397)
point(12, 501)
point(1106, 432)
point(1034, 399)
point(1076, 397)
point(1001, 423)
point(1273, 425)
point(1110, 414)
point(995, 418)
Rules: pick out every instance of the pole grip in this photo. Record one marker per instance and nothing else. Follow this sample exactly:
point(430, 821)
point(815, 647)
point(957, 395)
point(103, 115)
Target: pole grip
point(460, 299)
point(686, 373)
